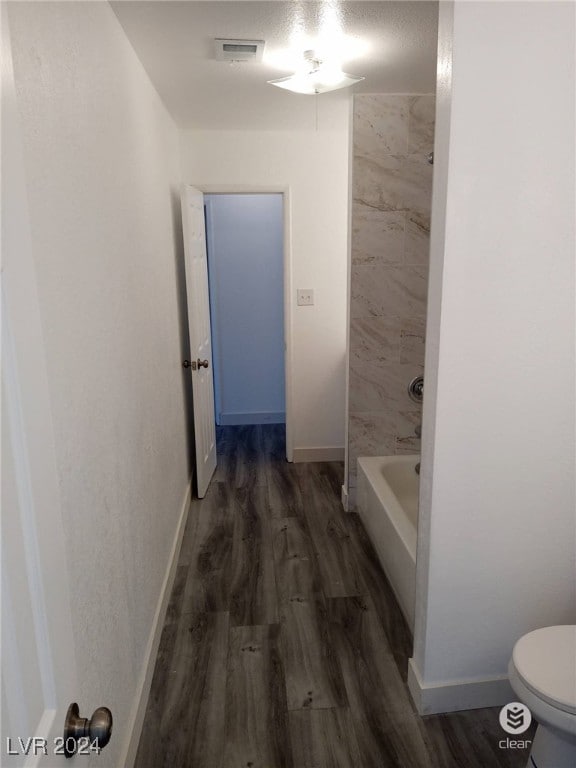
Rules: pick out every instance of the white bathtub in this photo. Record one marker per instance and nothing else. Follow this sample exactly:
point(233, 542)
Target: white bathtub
point(387, 501)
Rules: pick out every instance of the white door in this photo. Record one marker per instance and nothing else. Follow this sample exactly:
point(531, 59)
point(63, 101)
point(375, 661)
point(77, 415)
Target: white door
point(38, 665)
point(194, 229)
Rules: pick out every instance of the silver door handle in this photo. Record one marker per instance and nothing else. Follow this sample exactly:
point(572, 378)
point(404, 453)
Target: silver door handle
point(97, 730)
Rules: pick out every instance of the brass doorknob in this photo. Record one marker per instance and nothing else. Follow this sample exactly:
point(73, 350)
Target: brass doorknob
point(202, 363)
point(97, 731)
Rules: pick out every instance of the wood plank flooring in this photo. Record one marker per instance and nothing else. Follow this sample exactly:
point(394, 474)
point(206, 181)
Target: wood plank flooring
point(283, 645)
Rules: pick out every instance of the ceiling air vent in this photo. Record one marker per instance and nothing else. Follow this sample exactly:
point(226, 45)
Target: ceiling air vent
point(239, 50)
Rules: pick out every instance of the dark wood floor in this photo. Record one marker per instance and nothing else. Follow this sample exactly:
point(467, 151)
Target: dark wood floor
point(283, 645)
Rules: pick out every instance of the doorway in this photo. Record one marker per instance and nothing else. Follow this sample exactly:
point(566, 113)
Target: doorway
point(245, 249)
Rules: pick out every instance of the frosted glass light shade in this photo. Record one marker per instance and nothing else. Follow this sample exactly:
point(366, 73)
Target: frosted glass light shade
point(318, 81)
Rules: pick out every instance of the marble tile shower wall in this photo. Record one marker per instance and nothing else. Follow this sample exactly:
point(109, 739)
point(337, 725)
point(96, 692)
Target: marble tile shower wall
point(392, 189)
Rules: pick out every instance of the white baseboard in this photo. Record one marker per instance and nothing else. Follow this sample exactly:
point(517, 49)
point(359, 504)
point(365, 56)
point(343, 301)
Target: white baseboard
point(143, 691)
point(344, 498)
point(459, 695)
point(351, 499)
point(260, 417)
point(327, 453)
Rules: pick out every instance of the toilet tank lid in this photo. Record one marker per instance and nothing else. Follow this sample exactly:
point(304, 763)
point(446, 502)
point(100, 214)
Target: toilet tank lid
point(546, 661)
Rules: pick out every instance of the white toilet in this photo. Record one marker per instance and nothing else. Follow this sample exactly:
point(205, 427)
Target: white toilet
point(542, 673)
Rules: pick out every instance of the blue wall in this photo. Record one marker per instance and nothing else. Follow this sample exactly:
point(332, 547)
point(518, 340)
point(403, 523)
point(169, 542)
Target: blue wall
point(245, 262)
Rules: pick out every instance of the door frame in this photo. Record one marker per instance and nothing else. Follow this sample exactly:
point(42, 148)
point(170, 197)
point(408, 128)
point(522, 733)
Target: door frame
point(214, 319)
point(284, 190)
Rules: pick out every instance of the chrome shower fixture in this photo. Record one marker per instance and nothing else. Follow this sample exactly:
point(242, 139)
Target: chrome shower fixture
point(416, 389)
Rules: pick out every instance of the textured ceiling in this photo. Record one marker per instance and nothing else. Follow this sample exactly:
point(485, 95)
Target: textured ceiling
point(174, 41)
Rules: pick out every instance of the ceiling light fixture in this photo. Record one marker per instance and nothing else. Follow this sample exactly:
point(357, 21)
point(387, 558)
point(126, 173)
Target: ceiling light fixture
point(316, 76)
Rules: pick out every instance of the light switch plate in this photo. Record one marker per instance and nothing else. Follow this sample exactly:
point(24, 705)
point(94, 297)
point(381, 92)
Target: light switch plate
point(305, 297)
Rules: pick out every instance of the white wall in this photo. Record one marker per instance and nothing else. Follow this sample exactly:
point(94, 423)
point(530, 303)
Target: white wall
point(101, 160)
point(245, 236)
point(497, 551)
point(314, 166)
